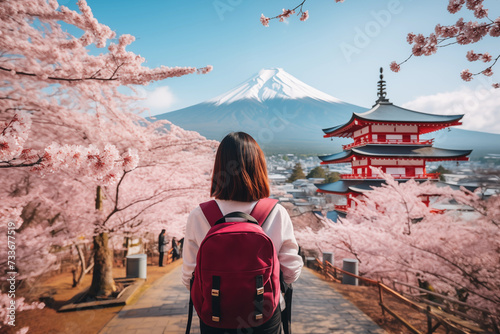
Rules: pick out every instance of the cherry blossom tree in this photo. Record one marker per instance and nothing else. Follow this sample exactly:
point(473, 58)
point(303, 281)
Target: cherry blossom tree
point(171, 177)
point(461, 33)
point(304, 15)
point(395, 236)
point(50, 73)
point(72, 142)
point(8, 309)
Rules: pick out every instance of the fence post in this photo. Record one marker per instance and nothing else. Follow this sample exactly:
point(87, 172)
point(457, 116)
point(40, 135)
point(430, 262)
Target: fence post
point(351, 266)
point(310, 262)
point(429, 320)
point(381, 297)
point(328, 256)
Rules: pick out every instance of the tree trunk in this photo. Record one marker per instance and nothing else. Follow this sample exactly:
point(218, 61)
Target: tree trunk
point(102, 276)
point(84, 269)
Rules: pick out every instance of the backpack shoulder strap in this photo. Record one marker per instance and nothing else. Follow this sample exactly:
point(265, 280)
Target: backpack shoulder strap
point(211, 211)
point(262, 209)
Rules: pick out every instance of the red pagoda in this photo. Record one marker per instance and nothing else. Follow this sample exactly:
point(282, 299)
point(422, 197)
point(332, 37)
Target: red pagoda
point(386, 137)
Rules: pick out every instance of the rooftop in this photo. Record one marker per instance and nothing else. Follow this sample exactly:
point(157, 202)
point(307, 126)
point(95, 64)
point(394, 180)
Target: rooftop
point(384, 111)
point(397, 151)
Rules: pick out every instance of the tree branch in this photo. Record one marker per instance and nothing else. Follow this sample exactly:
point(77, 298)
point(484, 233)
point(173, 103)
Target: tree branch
point(9, 163)
point(61, 79)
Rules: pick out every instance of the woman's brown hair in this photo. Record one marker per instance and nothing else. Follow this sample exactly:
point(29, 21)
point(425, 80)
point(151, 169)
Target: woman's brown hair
point(240, 172)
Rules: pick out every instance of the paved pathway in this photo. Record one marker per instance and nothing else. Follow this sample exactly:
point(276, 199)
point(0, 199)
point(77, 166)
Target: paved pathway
point(317, 308)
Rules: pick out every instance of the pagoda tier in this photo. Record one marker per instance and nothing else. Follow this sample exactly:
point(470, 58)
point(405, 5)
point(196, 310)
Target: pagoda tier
point(386, 119)
point(343, 187)
point(354, 188)
point(401, 161)
point(350, 189)
point(387, 139)
point(374, 151)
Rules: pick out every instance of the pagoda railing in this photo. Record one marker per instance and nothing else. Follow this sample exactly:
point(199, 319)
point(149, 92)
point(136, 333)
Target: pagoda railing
point(388, 141)
point(431, 176)
point(342, 208)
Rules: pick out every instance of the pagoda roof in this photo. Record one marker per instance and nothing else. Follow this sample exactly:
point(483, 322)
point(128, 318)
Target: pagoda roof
point(386, 112)
point(361, 186)
point(397, 151)
point(347, 186)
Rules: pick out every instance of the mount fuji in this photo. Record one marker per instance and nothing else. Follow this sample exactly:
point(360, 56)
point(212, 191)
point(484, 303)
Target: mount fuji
point(282, 113)
point(285, 115)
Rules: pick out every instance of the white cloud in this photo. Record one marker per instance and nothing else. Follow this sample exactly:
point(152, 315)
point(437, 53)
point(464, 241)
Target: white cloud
point(481, 107)
point(159, 99)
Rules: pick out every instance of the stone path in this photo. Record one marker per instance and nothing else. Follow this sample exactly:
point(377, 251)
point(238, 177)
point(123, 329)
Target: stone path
point(317, 308)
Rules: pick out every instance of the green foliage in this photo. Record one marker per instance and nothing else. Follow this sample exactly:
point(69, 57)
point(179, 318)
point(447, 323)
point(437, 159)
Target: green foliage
point(441, 170)
point(297, 173)
point(332, 177)
point(317, 172)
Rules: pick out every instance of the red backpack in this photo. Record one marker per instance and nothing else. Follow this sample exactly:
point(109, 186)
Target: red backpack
point(236, 283)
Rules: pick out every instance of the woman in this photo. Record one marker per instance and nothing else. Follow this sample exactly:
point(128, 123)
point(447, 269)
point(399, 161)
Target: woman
point(175, 250)
point(239, 180)
point(162, 242)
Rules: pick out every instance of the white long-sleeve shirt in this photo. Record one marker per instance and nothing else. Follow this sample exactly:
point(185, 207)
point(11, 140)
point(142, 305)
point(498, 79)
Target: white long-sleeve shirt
point(278, 227)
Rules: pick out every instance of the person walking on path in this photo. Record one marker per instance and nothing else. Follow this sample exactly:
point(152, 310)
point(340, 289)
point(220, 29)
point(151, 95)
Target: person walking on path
point(162, 242)
point(239, 180)
point(175, 250)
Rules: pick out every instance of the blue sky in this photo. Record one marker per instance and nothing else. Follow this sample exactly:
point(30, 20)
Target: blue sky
point(338, 50)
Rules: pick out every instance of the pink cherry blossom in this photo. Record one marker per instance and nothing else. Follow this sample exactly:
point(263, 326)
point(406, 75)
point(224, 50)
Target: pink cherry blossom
point(13, 136)
point(472, 56)
point(486, 57)
point(205, 70)
point(130, 160)
point(449, 250)
point(466, 75)
point(480, 12)
point(67, 130)
point(304, 16)
point(455, 5)
point(395, 67)
point(494, 30)
point(462, 33)
point(287, 13)
point(21, 305)
point(410, 38)
point(473, 4)
point(264, 20)
point(488, 72)
point(446, 31)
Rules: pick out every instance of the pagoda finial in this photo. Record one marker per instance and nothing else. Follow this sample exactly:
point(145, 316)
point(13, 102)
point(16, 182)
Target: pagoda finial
point(381, 88)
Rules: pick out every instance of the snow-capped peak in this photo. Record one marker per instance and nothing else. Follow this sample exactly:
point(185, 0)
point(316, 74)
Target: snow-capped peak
point(273, 83)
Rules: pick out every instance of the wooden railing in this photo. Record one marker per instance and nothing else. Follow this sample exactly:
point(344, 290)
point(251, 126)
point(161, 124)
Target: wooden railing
point(436, 314)
point(444, 303)
point(342, 208)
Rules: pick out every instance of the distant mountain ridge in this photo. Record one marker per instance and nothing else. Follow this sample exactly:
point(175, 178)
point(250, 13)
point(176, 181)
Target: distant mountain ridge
point(481, 143)
point(285, 115)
